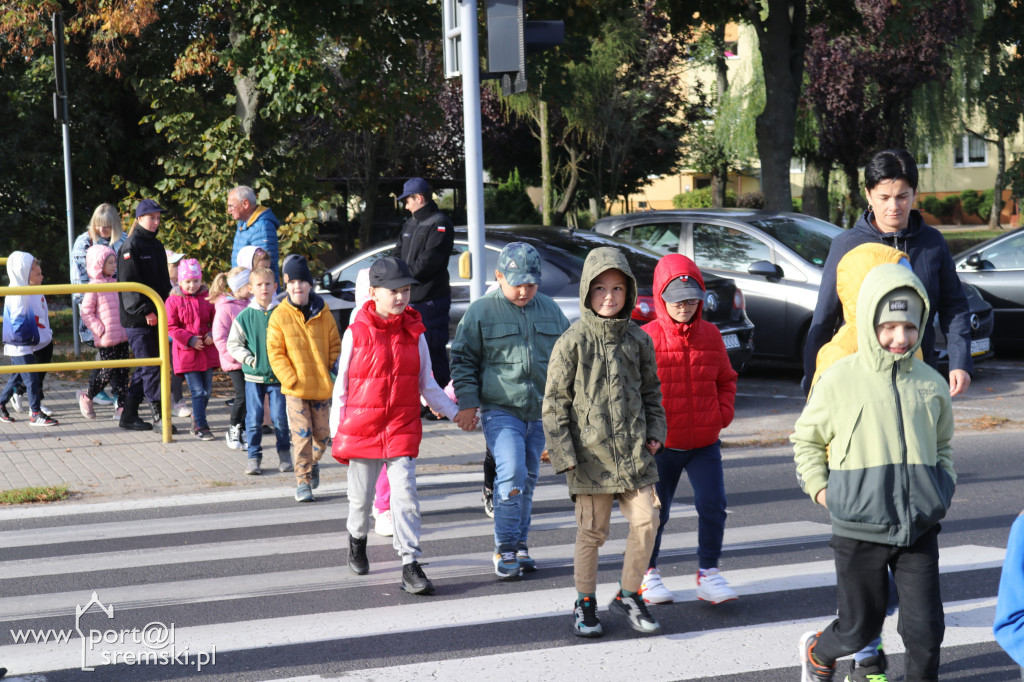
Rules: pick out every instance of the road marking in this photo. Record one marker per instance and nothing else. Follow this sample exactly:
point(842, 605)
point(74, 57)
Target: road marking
point(756, 647)
point(384, 573)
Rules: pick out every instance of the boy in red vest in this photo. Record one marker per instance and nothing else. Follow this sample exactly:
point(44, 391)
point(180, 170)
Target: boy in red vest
point(375, 415)
point(698, 387)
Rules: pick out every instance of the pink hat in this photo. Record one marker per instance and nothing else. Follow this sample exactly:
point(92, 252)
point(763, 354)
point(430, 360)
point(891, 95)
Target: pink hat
point(189, 268)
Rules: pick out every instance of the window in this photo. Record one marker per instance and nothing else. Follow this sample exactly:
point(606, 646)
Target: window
point(660, 237)
point(797, 165)
point(724, 248)
point(972, 151)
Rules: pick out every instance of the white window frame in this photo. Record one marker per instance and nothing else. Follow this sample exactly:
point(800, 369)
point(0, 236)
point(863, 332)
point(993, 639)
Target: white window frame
point(965, 162)
point(797, 165)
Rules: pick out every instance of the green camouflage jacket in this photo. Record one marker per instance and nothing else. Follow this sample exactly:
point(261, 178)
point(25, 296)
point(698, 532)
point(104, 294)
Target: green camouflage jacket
point(603, 399)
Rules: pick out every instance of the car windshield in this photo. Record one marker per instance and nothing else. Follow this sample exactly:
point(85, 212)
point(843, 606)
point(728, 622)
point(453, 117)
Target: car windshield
point(577, 245)
point(810, 238)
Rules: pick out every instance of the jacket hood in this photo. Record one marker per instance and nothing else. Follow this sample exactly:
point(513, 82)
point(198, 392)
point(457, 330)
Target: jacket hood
point(854, 267)
point(601, 259)
point(94, 259)
point(669, 268)
point(877, 284)
point(19, 267)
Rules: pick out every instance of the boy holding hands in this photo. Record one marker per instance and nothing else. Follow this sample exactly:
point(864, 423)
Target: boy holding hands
point(499, 363)
point(873, 446)
point(375, 415)
point(303, 347)
point(604, 423)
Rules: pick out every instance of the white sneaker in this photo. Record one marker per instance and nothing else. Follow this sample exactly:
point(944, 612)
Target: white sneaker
point(231, 437)
point(712, 587)
point(384, 526)
point(18, 403)
point(653, 590)
point(183, 408)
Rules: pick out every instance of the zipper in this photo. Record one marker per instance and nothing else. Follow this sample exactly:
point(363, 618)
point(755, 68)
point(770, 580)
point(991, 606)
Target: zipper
point(903, 446)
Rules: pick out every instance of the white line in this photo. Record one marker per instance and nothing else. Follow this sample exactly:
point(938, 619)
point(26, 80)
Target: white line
point(688, 655)
point(385, 573)
point(336, 509)
point(219, 497)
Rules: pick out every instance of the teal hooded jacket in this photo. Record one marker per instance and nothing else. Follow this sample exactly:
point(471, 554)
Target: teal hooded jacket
point(876, 432)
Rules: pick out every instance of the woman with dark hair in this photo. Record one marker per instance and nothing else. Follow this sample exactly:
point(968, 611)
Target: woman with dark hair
point(890, 184)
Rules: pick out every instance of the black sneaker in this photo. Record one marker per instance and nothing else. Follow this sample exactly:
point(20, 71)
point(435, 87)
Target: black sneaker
point(41, 419)
point(810, 669)
point(5, 416)
point(869, 670)
point(414, 581)
point(357, 561)
point(584, 619)
point(489, 502)
point(634, 610)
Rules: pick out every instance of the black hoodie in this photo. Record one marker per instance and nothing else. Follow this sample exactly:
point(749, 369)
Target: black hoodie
point(932, 263)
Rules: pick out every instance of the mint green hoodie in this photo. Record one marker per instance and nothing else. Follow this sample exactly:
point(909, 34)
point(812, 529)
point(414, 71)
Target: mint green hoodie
point(876, 432)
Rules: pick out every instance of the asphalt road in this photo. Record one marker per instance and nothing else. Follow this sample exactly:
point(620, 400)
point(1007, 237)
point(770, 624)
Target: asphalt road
point(265, 580)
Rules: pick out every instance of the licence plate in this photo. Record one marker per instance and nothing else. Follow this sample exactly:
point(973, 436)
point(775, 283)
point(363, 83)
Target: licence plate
point(978, 346)
point(733, 342)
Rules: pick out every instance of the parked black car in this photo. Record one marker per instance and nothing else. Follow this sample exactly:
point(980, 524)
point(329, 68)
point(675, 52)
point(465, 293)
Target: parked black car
point(776, 258)
point(562, 253)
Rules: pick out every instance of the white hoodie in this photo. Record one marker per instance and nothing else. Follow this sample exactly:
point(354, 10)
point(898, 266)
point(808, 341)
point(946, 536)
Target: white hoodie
point(26, 318)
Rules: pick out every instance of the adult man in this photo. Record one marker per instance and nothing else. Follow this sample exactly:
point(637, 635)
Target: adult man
point(142, 259)
point(257, 226)
point(425, 243)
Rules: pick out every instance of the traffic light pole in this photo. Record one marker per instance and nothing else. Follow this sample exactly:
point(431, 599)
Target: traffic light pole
point(473, 141)
point(60, 112)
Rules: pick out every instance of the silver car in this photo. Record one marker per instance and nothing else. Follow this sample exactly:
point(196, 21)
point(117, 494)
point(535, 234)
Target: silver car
point(776, 258)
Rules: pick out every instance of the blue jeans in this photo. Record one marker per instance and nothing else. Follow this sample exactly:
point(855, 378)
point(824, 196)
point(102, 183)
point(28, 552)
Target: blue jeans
point(704, 467)
point(516, 446)
point(254, 393)
point(199, 385)
point(32, 381)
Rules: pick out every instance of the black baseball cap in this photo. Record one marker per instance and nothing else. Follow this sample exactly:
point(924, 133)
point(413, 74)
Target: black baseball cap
point(391, 273)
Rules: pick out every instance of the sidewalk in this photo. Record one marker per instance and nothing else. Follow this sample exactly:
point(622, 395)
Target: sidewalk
point(101, 462)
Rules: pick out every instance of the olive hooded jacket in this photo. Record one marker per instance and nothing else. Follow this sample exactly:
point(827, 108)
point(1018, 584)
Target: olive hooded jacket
point(602, 400)
point(887, 421)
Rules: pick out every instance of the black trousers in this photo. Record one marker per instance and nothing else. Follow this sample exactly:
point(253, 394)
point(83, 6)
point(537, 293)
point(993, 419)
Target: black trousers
point(238, 407)
point(145, 380)
point(434, 314)
point(862, 590)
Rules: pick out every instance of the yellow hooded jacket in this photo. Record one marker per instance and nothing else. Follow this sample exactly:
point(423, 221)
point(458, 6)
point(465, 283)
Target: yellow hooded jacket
point(850, 274)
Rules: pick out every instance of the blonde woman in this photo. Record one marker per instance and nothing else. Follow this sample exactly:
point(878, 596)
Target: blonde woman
point(105, 228)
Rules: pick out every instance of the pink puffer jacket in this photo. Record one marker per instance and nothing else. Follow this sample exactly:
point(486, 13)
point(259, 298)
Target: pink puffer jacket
point(228, 308)
point(99, 310)
point(190, 315)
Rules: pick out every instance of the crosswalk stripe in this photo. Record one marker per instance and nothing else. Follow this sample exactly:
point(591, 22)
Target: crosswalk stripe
point(214, 498)
point(288, 516)
point(384, 573)
point(763, 639)
point(687, 656)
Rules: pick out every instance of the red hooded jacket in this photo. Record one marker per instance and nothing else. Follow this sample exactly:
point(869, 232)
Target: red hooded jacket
point(698, 384)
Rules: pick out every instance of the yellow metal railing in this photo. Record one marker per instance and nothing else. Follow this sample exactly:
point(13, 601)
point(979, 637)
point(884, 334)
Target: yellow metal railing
point(164, 360)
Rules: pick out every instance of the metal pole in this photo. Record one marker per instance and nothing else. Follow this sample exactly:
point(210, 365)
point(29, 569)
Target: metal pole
point(474, 155)
point(60, 111)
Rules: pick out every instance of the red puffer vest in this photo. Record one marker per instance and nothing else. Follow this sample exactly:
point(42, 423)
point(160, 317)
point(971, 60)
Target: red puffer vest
point(382, 413)
point(698, 383)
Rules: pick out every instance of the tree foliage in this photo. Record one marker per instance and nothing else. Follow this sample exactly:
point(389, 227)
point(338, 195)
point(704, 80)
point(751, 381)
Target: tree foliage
point(862, 75)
